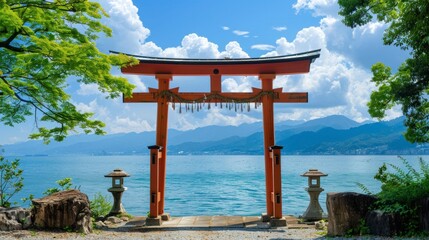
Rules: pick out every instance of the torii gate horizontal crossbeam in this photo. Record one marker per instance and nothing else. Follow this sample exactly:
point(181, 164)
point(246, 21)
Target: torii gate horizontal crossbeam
point(278, 96)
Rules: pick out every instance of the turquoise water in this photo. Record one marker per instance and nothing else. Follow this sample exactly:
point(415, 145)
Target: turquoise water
point(205, 185)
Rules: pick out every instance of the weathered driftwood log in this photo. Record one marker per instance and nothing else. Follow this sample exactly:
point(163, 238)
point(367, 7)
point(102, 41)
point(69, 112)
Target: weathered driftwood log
point(67, 209)
point(346, 211)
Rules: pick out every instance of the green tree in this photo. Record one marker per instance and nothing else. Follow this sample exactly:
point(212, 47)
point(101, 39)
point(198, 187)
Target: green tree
point(45, 44)
point(11, 180)
point(408, 28)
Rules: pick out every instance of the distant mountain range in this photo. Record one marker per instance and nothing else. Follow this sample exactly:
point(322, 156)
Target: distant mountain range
point(330, 135)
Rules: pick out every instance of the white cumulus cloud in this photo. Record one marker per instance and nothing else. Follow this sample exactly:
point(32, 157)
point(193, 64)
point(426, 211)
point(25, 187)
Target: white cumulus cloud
point(357, 44)
point(100, 112)
point(280, 28)
point(237, 85)
point(126, 124)
point(318, 7)
point(233, 50)
point(263, 47)
point(140, 86)
point(88, 89)
point(128, 31)
point(195, 46)
point(335, 84)
point(240, 33)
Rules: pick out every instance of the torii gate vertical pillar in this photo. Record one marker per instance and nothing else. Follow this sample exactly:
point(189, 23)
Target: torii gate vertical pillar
point(155, 155)
point(272, 174)
point(161, 137)
point(277, 220)
point(268, 122)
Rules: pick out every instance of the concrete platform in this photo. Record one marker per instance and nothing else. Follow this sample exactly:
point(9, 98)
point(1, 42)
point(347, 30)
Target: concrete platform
point(210, 222)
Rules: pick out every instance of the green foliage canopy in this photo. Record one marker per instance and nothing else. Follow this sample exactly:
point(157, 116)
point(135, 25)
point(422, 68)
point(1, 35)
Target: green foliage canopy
point(408, 29)
point(42, 44)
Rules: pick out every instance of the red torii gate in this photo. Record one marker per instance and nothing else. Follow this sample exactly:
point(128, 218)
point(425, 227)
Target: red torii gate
point(265, 68)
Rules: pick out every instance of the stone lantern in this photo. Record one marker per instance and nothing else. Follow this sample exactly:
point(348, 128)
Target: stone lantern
point(314, 211)
point(117, 189)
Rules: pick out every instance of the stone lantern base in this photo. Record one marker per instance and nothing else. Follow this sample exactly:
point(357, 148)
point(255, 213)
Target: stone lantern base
point(314, 212)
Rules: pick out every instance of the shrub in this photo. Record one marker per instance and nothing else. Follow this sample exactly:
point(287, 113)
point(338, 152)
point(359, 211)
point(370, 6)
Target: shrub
point(400, 191)
point(403, 186)
point(100, 206)
point(11, 180)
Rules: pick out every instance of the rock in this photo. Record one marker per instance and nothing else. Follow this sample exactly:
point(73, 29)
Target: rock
point(67, 209)
point(100, 225)
point(113, 220)
point(384, 224)
point(16, 218)
point(320, 225)
point(7, 224)
point(125, 219)
point(346, 211)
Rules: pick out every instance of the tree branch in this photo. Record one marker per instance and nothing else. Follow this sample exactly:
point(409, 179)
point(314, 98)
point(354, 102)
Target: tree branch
point(6, 43)
point(10, 39)
point(41, 109)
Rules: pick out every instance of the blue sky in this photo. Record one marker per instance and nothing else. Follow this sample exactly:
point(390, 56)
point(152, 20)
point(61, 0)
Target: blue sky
point(248, 22)
point(339, 81)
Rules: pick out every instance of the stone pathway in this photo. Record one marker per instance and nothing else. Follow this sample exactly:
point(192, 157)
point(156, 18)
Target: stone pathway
point(208, 222)
point(187, 228)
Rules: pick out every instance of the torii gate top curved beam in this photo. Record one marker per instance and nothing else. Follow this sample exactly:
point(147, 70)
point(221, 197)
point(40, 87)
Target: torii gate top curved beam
point(279, 65)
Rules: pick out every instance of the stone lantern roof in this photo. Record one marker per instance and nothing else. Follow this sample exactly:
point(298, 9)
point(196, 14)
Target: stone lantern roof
point(117, 173)
point(314, 173)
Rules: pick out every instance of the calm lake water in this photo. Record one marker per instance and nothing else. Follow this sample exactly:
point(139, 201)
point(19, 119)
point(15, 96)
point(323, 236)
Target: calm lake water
point(206, 185)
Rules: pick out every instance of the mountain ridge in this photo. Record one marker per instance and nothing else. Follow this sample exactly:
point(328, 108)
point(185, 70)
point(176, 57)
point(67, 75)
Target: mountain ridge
point(329, 135)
